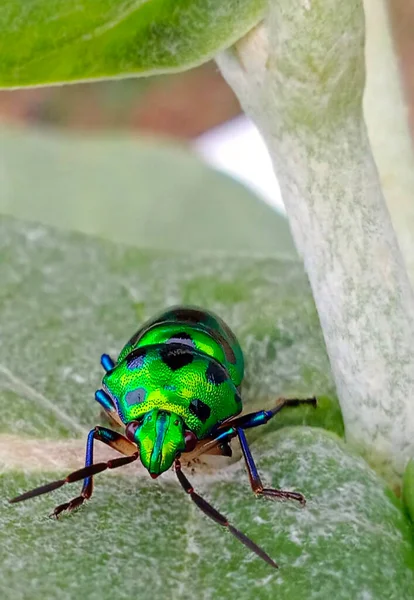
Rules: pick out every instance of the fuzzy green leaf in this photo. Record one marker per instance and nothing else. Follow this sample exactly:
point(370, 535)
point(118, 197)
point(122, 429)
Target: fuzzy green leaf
point(140, 192)
point(350, 541)
point(64, 299)
point(49, 41)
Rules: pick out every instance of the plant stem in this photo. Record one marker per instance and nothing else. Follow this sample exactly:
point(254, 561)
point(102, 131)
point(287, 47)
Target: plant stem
point(300, 76)
point(386, 117)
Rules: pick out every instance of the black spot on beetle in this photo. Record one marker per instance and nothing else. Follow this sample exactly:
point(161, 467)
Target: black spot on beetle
point(181, 338)
point(216, 374)
point(200, 409)
point(135, 396)
point(176, 356)
point(136, 359)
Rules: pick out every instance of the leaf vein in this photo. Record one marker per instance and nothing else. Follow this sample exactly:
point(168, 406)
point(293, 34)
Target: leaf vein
point(20, 387)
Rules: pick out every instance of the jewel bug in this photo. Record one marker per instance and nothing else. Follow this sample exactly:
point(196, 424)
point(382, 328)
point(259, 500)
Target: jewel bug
point(174, 391)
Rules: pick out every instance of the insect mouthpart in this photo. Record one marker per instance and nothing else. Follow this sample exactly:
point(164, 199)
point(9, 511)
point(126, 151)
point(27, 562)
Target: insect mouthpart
point(160, 438)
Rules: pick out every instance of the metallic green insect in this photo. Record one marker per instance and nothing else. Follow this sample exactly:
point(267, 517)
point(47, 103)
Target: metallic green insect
point(175, 390)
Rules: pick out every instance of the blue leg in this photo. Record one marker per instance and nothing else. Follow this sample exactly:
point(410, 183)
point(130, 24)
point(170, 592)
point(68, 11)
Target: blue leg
point(255, 419)
point(107, 436)
point(228, 431)
point(236, 428)
point(87, 487)
point(254, 476)
point(261, 417)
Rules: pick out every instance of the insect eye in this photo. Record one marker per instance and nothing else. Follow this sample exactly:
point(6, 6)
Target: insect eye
point(131, 429)
point(190, 441)
point(176, 422)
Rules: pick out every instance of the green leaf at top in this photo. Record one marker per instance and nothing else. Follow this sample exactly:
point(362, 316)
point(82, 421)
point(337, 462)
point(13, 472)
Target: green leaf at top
point(53, 41)
point(140, 192)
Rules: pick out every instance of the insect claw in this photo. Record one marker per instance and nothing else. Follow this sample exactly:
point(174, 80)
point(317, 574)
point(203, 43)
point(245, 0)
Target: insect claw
point(59, 509)
point(69, 506)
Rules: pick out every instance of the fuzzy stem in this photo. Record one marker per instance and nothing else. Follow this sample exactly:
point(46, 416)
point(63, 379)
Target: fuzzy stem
point(300, 76)
point(386, 117)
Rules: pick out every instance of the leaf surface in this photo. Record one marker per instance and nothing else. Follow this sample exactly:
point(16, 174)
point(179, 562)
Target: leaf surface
point(350, 541)
point(67, 297)
point(52, 41)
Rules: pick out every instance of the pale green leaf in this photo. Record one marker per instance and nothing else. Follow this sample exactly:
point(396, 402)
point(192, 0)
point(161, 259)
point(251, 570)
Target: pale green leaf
point(66, 299)
point(136, 191)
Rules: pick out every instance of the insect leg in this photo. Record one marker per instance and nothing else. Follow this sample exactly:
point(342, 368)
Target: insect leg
point(111, 438)
point(254, 476)
point(261, 417)
point(217, 444)
point(283, 402)
point(228, 430)
point(218, 517)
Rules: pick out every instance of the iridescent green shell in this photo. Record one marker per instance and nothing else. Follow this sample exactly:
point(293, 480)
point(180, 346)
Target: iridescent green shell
point(187, 362)
point(197, 328)
point(175, 378)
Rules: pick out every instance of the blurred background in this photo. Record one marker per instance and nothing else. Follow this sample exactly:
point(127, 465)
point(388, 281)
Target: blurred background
point(196, 107)
point(194, 111)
